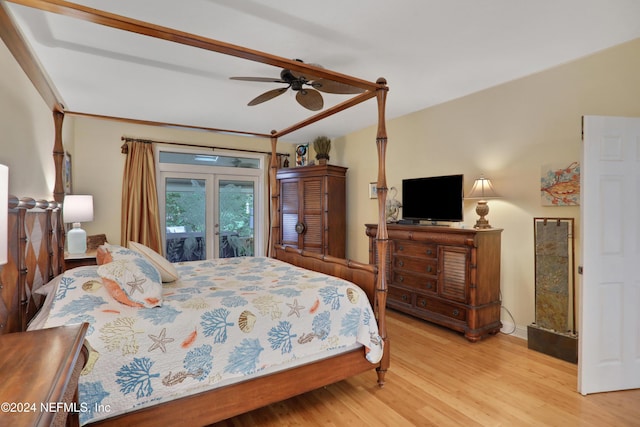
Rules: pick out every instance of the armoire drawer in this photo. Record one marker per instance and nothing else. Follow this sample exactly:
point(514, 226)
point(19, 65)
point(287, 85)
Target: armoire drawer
point(401, 296)
point(415, 249)
point(418, 282)
point(436, 306)
point(418, 265)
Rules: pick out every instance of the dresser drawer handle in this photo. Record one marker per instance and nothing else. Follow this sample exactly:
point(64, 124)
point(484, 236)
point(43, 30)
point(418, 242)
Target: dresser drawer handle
point(456, 312)
point(401, 263)
point(404, 297)
point(429, 285)
point(400, 248)
point(400, 279)
point(429, 252)
point(423, 302)
point(429, 268)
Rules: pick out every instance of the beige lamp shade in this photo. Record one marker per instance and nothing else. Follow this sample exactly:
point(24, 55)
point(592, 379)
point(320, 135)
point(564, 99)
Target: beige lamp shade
point(482, 189)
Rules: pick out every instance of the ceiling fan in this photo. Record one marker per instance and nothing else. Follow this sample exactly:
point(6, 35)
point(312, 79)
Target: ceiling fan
point(306, 86)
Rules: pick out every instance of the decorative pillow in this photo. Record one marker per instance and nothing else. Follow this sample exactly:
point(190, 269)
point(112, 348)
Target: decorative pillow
point(107, 253)
point(103, 256)
point(167, 271)
point(133, 282)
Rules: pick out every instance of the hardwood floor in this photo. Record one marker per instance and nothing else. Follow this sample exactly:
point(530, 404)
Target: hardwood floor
point(437, 378)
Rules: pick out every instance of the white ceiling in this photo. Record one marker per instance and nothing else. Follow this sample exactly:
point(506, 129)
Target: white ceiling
point(430, 51)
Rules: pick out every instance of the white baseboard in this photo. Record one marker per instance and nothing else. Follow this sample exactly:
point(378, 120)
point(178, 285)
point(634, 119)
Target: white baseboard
point(514, 330)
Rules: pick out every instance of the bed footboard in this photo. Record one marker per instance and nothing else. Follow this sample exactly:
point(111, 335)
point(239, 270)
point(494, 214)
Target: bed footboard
point(363, 275)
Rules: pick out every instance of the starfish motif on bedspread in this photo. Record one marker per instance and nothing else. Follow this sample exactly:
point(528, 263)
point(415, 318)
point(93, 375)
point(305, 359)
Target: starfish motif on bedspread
point(295, 308)
point(136, 285)
point(160, 341)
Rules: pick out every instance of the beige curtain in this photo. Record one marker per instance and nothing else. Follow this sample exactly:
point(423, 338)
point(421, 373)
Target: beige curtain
point(140, 213)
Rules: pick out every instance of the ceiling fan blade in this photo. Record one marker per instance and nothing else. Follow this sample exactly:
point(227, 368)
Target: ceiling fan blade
point(330, 86)
point(259, 79)
point(310, 99)
point(267, 96)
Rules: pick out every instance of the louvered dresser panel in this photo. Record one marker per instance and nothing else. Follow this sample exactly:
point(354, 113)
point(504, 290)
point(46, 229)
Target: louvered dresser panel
point(313, 208)
point(449, 276)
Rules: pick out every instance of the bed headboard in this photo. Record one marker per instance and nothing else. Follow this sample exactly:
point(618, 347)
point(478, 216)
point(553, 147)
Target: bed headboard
point(35, 256)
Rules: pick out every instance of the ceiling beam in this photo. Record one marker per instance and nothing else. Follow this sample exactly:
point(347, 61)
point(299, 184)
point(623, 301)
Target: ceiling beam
point(25, 58)
point(144, 28)
point(164, 124)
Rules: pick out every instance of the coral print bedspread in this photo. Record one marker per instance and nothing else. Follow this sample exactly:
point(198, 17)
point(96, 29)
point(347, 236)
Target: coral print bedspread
point(222, 319)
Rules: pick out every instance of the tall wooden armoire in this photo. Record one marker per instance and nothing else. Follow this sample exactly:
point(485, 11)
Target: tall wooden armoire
point(312, 208)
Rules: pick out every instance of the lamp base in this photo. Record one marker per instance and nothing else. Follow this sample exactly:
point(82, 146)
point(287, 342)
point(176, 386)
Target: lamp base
point(482, 209)
point(76, 240)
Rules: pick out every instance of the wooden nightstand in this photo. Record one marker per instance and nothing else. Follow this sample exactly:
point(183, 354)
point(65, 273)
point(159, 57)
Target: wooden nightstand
point(79, 260)
point(39, 371)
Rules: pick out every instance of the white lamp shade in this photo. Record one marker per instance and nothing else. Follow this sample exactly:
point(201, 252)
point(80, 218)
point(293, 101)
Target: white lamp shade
point(482, 189)
point(77, 208)
point(4, 202)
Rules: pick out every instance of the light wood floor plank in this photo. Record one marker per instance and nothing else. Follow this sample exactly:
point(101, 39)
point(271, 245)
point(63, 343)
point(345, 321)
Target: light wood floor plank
point(438, 378)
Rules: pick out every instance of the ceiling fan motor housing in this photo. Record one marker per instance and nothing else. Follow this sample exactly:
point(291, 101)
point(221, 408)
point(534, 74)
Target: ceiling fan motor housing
point(295, 82)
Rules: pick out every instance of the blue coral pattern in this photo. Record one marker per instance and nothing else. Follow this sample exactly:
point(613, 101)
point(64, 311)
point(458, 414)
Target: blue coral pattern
point(222, 320)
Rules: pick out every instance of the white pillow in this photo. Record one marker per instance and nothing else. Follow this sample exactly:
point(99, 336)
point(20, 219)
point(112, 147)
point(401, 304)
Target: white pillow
point(167, 271)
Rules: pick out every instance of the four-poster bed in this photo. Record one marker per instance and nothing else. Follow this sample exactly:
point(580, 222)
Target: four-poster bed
point(221, 403)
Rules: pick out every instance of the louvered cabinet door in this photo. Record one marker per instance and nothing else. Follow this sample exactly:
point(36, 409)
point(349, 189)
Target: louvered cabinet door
point(313, 191)
point(289, 212)
point(453, 272)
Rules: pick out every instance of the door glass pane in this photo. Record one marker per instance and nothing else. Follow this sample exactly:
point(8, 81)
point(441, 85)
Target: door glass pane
point(185, 206)
point(209, 160)
point(236, 210)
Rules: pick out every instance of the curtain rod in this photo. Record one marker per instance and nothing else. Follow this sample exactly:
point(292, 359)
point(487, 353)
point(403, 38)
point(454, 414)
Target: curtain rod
point(124, 147)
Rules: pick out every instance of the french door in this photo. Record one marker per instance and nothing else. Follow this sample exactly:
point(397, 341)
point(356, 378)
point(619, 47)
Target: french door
point(209, 211)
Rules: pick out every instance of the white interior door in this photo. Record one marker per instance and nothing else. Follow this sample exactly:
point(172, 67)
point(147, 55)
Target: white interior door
point(609, 344)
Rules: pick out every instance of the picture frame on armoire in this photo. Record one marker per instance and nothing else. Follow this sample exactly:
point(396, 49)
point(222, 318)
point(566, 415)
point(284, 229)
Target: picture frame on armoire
point(302, 154)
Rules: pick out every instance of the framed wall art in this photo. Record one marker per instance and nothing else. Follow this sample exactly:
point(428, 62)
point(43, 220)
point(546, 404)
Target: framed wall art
point(373, 190)
point(560, 184)
point(66, 173)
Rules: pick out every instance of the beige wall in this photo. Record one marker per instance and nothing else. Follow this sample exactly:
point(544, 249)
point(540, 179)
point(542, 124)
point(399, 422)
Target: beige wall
point(26, 132)
point(507, 132)
point(98, 163)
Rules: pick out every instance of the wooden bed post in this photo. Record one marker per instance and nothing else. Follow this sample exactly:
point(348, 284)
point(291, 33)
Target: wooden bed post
point(58, 190)
point(274, 232)
point(58, 157)
point(382, 238)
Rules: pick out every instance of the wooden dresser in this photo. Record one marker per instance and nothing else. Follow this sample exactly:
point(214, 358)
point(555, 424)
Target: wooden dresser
point(39, 371)
point(449, 276)
point(312, 208)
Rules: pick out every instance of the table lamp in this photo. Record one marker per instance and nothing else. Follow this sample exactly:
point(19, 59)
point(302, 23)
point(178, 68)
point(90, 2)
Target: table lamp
point(77, 209)
point(4, 201)
point(482, 189)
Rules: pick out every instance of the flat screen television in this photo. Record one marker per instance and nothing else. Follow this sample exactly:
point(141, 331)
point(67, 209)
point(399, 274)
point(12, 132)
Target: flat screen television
point(437, 198)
